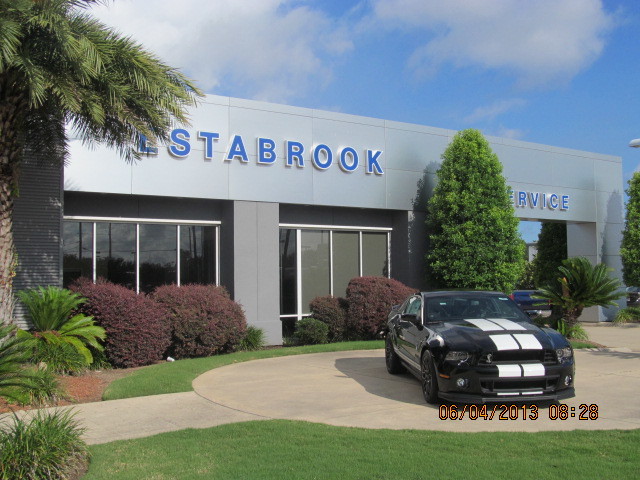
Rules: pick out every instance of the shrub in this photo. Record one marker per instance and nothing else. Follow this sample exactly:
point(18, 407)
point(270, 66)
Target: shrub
point(59, 357)
point(14, 352)
point(55, 329)
point(47, 446)
point(41, 389)
point(205, 320)
point(138, 329)
point(310, 331)
point(628, 315)
point(332, 311)
point(370, 300)
point(253, 339)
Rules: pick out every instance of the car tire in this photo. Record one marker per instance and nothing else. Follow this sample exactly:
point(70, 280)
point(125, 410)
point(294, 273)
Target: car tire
point(428, 378)
point(394, 365)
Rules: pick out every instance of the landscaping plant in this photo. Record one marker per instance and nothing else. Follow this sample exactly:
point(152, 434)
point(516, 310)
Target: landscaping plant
point(253, 339)
point(310, 331)
point(51, 310)
point(370, 300)
point(14, 352)
point(47, 446)
point(472, 227)
point(579, 285)
point(630, 246)
point(204, 320)
point(332, 311)
point(137, 327)
point(628, 315)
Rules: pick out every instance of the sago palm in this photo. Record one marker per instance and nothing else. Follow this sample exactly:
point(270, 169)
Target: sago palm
point(51, 310)
point(579, 285)
point(14, 353)
point(59, 66)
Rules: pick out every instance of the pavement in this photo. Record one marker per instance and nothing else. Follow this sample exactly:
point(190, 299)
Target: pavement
point(354, 389)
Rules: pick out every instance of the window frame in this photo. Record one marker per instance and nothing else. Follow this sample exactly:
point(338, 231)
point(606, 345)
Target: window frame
point(157, 221)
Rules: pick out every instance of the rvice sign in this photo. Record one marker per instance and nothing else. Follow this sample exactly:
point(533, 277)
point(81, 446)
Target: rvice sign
point(552, 201)
point(292, 152)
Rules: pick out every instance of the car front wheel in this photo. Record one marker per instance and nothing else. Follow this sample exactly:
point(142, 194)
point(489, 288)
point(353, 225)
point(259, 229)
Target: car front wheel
point(428, 377)
point(394, 365)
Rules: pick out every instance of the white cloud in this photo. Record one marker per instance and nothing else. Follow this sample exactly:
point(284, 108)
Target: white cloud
point(540, 42)
point(272, 50)
point(489, 112)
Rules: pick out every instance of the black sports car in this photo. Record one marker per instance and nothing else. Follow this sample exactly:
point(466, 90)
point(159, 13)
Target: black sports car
point(477, 347)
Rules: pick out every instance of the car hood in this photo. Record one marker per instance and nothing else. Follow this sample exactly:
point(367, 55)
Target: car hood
point(492, 334)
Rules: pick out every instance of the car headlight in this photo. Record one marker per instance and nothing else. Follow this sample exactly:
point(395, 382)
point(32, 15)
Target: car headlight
point(564, 354)
point(455, 356)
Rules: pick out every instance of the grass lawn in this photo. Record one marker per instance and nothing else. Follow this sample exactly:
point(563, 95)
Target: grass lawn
point(174, 377)
point(280, 449)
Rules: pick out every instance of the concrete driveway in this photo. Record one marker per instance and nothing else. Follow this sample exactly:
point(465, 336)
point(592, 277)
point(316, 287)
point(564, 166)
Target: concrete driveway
point(354, 389)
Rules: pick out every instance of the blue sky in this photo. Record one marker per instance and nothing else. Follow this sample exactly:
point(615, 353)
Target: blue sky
point(558, 72)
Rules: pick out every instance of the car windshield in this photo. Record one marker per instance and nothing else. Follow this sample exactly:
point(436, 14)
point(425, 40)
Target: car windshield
point(458, 307)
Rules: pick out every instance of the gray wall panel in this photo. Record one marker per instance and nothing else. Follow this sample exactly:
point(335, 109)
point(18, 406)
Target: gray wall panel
point(413, 152)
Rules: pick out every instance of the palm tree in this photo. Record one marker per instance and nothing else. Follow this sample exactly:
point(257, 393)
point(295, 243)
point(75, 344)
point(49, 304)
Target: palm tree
point(581, 285)
point(59, 66)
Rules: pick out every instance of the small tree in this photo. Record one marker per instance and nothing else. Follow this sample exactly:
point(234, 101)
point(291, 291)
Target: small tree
point(552, 250)
point(630, 247)
point(579, 285)
point(473, 232)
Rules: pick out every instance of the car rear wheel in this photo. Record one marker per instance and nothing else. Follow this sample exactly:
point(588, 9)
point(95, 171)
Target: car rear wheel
point(394, 365)
point(428, 377)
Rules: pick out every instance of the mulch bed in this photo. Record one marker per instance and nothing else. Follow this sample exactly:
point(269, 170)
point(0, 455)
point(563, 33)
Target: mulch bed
point(84, 388)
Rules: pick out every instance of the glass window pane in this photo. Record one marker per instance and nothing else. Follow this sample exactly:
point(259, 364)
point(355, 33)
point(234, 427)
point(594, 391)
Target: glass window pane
point(157, 256)
point(77, 248)
point(288, 271)
point(116, 253)
point(315, 265)
point(374, 254)
point(346, 260)
point(197, 254)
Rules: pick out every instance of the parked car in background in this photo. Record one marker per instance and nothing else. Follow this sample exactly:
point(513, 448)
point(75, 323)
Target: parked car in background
point(633, 296)
point(524, 299)
point(477, 347)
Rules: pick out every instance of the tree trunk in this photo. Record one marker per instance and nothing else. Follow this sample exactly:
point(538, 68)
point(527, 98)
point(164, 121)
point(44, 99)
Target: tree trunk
point(12, 111)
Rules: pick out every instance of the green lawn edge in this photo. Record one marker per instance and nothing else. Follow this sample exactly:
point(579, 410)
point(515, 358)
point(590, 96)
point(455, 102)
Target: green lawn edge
point(176, 377)
point(286, 449)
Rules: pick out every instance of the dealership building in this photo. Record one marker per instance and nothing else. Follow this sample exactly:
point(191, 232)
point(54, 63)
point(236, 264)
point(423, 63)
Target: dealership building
point(281, 204)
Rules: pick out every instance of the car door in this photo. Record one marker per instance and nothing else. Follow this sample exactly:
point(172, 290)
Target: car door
point(410, 328)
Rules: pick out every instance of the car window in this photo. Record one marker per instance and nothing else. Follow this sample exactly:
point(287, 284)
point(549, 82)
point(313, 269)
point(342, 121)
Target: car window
point(414, 306)
point(456, 307)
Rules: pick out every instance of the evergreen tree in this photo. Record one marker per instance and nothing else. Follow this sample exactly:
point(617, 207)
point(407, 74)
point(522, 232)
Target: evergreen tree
point(552, 250)
point(630, 248)
point(473, 233)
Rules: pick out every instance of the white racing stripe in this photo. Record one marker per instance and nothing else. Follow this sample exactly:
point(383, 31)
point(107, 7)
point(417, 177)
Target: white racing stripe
point(527, 341)
point(509, 371)
point(484, 325)
point(532, 370)
point(507, 324)
point(504, 342)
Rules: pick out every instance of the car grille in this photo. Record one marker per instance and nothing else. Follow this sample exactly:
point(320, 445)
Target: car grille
point(547, 357)
point(518, 385)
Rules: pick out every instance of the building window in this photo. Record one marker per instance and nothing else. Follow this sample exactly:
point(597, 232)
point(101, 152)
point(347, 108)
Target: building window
point(316, 261)
point(140, 254)
point(77, 251)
